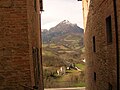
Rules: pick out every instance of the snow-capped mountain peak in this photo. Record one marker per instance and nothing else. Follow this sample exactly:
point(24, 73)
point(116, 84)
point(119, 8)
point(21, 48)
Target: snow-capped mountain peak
point(66, 22)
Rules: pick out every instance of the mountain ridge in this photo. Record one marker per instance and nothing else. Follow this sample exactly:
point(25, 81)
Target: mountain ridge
point(64, 23)
point(61, 30)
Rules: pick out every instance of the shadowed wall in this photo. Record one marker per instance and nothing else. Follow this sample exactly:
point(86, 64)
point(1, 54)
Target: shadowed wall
point(20, 45)
point(100, 44)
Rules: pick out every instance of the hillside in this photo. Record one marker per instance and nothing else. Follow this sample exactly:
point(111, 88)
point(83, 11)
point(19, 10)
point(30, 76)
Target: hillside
point(62, 45)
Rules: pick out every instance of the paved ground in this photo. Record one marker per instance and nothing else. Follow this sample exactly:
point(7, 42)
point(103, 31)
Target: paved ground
point(76, 88)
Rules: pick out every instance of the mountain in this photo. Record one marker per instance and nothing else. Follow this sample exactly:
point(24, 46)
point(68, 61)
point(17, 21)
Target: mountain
point(65, 26)
point(65, 32)
point(63, 40)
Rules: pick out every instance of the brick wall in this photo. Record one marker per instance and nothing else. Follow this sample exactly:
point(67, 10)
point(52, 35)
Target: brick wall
point(19, 33)
point(118, 17)
point(101, 64)
point(34, 18)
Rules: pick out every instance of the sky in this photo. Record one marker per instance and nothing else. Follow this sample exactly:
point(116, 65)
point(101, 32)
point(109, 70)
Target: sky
point(56, 11)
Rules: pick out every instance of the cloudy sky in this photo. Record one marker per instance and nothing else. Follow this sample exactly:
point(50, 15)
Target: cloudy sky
point(56, 11)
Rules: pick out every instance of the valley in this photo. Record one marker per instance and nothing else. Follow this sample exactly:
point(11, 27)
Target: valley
point(63, 48)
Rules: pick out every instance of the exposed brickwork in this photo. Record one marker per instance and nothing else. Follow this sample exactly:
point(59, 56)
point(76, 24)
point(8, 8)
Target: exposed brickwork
point(19, 33)
point(103, 61)
point(118, 17)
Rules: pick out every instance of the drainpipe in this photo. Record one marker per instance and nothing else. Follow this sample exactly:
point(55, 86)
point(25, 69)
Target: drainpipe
point(41, 65)
point(117, 42)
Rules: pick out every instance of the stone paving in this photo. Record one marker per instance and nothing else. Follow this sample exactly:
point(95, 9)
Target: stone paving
point(76, 88)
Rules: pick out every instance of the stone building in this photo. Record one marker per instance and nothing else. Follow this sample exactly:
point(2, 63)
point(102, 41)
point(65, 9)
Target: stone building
point(102, 43)
point(20, 46)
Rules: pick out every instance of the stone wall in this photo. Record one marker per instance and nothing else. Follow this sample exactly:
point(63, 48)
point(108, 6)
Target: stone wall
point(101, 63)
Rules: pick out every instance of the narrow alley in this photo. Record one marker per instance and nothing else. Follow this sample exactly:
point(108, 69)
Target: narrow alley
point(21, 66)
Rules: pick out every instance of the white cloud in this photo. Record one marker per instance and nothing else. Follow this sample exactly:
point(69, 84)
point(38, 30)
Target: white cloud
point(59, 10)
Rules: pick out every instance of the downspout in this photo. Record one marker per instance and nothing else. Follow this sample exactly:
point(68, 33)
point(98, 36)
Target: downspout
point(117, 42)
point(41, 75)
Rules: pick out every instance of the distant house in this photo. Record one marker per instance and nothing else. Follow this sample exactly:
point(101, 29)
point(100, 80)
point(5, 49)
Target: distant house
point(78, 69)
point(61, 71)
point(68, 68)
point(84, 60)
point(69, 65)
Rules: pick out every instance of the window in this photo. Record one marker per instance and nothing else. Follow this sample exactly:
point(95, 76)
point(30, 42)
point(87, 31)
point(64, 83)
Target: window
point(41, 5)
point(109, 29)
point(110, 87)
point(94, 47)
point(35, 7)
point(94, 76)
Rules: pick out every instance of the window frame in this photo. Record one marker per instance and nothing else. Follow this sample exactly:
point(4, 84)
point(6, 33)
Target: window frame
point(109, 29)
point(35, 5)
point(110, 86)
point(94, 43)
point(95, 76)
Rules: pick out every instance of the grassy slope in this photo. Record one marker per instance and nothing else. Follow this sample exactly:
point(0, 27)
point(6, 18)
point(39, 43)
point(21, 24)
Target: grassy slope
point(54, 55)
